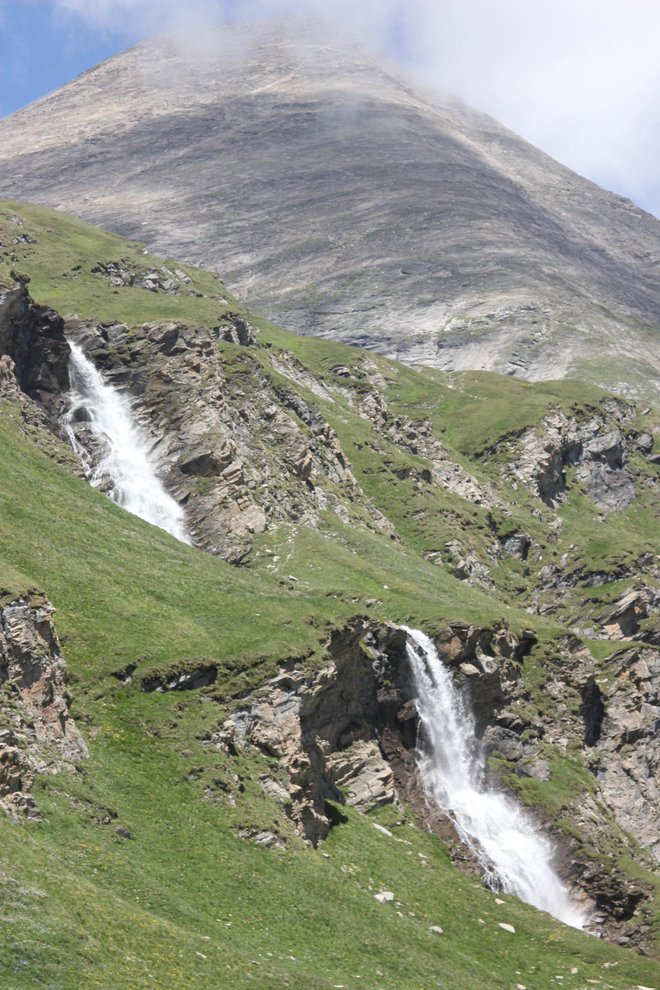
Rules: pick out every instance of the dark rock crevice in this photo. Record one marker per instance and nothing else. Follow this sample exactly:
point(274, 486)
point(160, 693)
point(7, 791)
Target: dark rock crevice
point(189, 676)
point(33, 337)
point(593, 712)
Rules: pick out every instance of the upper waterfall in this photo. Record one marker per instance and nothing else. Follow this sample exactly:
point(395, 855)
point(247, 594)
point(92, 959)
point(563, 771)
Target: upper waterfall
point(511, 852)
point(123, 464)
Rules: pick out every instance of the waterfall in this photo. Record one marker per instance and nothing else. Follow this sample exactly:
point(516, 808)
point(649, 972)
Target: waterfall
point(120, 462)
point(512, 854)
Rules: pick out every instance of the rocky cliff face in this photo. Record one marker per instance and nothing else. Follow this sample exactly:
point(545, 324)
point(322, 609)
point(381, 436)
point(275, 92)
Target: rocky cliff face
point(597, 452)
point(345, 201)
point(37, 733)
point(33, 337)
point(349, 734)
point(626, 739)
point(240, 448)
point(327, 729)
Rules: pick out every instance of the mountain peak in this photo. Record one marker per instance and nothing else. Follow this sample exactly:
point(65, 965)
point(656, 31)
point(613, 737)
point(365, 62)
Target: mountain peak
point(345, 200)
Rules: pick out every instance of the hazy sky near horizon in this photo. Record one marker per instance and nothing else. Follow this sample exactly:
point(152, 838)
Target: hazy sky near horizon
point(578, 78)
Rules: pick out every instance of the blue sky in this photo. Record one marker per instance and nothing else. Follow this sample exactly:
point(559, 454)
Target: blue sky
point(40, 50)
point(578, 78)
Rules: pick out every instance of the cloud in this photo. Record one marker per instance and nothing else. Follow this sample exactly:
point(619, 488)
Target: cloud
point(578, 78)
point(134, 18)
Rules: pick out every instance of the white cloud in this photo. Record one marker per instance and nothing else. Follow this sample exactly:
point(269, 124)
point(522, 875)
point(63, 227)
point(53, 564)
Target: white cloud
point(579, 78)
point(134, 18)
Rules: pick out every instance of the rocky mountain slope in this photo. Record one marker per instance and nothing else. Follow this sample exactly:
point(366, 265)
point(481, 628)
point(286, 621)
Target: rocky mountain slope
point(209, 773)
point(346, 202)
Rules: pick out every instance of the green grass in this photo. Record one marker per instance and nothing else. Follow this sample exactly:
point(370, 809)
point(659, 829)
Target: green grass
point(60, 264)
point(186, 902)
point(568, 780)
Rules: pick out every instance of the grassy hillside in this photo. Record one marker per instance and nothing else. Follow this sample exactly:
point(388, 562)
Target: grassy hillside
point(178, 899)
point(185, 902)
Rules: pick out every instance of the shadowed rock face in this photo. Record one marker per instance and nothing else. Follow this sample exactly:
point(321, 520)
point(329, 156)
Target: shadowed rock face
point(347, 202)
point(33, 336)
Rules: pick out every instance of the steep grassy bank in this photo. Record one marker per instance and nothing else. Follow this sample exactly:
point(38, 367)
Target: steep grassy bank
point(145, 872)
point(186, 902)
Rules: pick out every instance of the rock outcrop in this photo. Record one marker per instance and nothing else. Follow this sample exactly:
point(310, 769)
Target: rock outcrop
point(37, 733)
point(239, 448)
point(327, 728)
point(349, 734)
point(623, 619)
point(172, 281)
point(597, 452)
point(625, 736)
point(33, 337)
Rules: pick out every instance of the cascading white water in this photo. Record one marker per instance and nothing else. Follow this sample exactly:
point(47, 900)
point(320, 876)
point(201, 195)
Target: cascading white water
point(124, 466)
point(514, 857)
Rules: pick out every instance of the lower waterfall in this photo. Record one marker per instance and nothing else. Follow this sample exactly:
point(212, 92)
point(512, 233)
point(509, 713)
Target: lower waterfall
point(122, 465)
point(513, 856)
